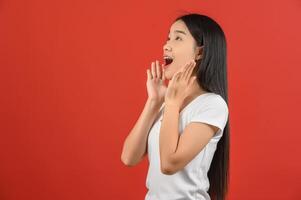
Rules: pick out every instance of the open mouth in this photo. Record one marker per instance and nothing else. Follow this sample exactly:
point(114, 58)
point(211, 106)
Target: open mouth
point(168, 61)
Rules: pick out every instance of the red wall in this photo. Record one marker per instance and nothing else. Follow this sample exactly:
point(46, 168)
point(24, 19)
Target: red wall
point(73, 77)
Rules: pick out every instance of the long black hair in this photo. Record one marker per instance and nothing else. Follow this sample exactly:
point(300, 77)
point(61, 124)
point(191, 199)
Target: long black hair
point(212, 77)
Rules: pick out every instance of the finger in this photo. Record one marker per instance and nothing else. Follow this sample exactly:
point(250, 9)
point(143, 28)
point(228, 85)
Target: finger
point(177, 76)
point(184, 72)
point(163, 72)
point(153, 70)
point(149, 76)
point(189, 71)
point(184, 68)
point(190, 68)
point(174, 76)
point(158, 69)
point(192, 79)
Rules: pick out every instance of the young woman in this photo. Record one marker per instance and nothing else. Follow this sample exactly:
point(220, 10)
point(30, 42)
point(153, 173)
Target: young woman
point(184, 127)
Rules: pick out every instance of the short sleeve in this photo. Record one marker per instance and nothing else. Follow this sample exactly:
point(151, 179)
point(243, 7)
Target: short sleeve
point(213, 112)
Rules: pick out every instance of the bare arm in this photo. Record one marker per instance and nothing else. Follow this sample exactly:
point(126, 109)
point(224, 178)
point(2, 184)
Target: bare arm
point(135, 145)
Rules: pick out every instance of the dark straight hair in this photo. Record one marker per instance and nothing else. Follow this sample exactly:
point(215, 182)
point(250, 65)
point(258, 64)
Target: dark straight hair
point(212, 77)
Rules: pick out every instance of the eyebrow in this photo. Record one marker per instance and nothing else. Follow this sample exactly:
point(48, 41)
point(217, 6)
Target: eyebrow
point(178, 31)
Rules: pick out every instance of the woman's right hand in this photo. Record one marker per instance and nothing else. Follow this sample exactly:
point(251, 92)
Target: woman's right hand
point(155, 84)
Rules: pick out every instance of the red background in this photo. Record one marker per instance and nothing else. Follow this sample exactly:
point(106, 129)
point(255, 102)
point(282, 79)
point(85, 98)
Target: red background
point(73, 77)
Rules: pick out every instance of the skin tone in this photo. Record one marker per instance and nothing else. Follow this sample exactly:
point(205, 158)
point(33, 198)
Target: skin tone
point(180, 86)
point(182, 47)
point(177, 150)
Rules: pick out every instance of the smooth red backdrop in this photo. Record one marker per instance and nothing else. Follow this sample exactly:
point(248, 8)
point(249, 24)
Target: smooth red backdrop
point(73, 77)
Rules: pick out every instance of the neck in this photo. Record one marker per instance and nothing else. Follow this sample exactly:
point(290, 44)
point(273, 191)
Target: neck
point(194, 91)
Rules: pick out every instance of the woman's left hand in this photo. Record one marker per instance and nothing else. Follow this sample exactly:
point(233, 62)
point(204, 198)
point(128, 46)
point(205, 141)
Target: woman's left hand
point(179, 85)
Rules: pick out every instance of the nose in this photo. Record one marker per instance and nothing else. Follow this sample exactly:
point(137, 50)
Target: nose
point(166, 47)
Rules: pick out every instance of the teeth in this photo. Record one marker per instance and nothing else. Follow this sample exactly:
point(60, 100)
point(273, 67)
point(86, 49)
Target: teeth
point(168, 60)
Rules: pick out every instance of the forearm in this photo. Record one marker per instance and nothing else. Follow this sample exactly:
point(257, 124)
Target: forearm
point(169, 135)
point(135, 144)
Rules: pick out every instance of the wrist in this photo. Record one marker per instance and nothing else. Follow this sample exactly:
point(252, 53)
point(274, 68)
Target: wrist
point(154, 104)
point(170, 106)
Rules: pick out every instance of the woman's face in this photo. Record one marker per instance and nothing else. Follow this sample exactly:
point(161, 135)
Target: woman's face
point(181, 47)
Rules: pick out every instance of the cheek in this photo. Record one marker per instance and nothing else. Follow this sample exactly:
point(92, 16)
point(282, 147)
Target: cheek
point(181, 62)
point(178, 66)
point(184, 57)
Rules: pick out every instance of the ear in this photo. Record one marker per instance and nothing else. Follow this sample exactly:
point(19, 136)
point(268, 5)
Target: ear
point(199, 52)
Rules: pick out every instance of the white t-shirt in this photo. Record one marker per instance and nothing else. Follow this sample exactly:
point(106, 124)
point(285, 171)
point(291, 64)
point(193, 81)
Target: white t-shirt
point(190, 183)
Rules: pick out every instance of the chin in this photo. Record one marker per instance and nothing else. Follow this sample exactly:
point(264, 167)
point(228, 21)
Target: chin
point(167, 76)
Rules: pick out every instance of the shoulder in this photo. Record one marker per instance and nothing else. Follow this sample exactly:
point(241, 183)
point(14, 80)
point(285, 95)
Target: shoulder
point(211, 101)
point(211, 109)
point(218, 100)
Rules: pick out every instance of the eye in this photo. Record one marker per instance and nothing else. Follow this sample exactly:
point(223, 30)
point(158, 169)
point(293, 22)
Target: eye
point(175, 39)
